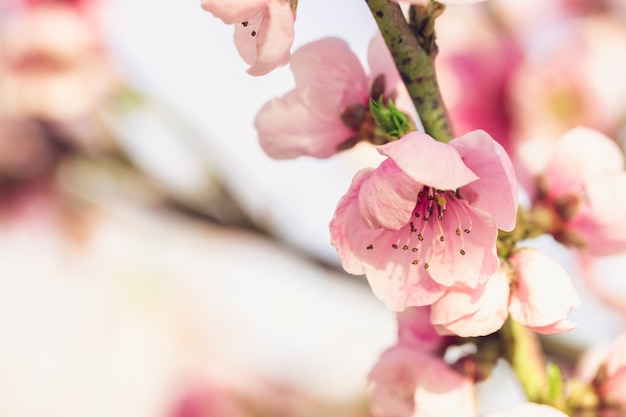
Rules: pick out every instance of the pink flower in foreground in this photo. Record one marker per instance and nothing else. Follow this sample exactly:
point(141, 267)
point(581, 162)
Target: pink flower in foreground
point(584, 187)
point(263, 30)
point(530, 409)
point(409, 382)
point(427, 218)
point(324, 111)
point(525, 289)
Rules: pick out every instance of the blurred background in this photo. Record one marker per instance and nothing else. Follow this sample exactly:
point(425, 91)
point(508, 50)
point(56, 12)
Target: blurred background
point(154, 262)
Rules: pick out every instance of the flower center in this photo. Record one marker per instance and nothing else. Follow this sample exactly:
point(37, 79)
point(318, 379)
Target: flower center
point(439, 219)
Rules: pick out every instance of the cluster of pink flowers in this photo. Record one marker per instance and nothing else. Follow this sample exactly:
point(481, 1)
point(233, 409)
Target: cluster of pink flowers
point(433, 227)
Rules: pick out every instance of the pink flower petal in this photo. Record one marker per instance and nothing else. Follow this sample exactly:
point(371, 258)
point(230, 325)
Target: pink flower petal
point(429, 162)
point(387, 197)
point(265, 42)
point(347, 237)
point(465, 254)
point(480, 315)
point(543, 294)
point(456, 303)
point(581, 153)
point(232, 12)
point(442, 392)
point(555, 328)
point(331, 74)
point(415, 328)
point(600, 220)
point(287, 128)
point(496, 190)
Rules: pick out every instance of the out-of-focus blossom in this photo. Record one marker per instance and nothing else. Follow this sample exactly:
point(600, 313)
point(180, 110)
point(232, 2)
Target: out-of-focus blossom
point(263, 30)
point(476, 59)
point(605, 367)
point(52, 63)
point(409, 382)
point(525, 290)
point(530, 409)
point(583, 189)
point(209, 401)
point(573, 79)
point(427, 218)
point(443, 1)
point(329, 107)
point(415, 328)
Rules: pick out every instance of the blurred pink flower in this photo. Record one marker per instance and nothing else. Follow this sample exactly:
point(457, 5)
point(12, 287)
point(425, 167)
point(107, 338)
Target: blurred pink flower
point(605, 367)
point(476, 59)
point(427, 218)
point(52, 63)
point(409, 382)
point(530, 409)
point(209, 401)
point(525, 290)
point(415, 328)
point(584, 186)
point(331, 85)
point(263, 30)
point(570, 75)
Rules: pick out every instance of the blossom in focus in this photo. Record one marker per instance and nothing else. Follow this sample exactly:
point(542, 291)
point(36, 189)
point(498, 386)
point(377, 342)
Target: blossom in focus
point(524, 287)
point(328, 108)
point(583, 191)
point(427, 218)
point(263, 30)
point(530, 409)
point(53, 65)
point(410, 382)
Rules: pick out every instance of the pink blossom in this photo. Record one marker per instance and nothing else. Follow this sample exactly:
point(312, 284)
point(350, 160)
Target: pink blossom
point(530, 409)
point(427, 218)
point(584, 185)
point(263, 30)
point(605, 367)
point(415, 329)
point(524, 287)
point(53, 65)
point(469, 312)
point(329, 78)
point(533, 302)
point(409, 382)
point(476, 59)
